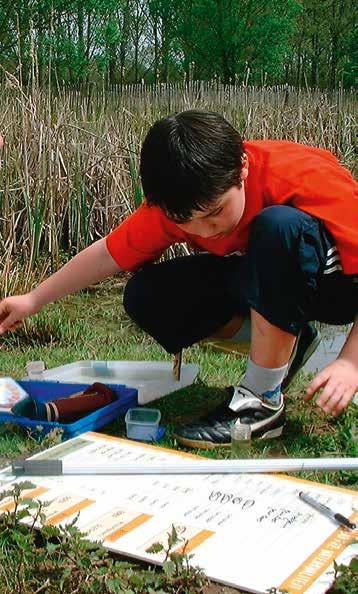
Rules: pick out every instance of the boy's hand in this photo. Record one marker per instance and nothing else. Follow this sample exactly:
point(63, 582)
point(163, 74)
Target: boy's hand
point(15, 309)
point(339, 381)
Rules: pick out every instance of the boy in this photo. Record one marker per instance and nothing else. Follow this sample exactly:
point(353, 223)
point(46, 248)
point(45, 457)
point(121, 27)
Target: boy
point(277, 223)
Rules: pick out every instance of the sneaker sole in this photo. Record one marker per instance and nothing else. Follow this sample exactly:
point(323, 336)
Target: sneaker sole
point(200, 445)
point(209, 445)
point(309, 352)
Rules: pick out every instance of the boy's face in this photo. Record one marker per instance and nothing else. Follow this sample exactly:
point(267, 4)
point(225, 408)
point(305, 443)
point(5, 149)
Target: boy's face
point(222, 216)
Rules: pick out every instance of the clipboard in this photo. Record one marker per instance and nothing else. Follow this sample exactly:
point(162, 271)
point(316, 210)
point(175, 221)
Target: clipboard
point(231, 525)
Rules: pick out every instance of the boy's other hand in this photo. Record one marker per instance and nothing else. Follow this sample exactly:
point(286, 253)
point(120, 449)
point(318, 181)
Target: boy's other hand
point(15, 309)
point(339, 381)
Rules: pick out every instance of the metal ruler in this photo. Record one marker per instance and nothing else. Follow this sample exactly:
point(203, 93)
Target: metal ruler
point(33, 467)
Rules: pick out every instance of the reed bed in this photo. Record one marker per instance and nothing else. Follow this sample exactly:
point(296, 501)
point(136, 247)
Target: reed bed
point(69, 168)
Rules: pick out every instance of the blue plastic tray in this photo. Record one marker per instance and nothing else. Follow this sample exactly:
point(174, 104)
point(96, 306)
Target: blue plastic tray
point(45, 390)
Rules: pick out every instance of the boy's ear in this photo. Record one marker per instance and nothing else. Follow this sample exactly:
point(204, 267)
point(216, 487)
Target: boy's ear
point(245, 167)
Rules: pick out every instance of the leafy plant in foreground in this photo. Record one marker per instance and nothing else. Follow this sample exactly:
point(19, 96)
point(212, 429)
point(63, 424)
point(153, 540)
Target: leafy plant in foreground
point(35, 557)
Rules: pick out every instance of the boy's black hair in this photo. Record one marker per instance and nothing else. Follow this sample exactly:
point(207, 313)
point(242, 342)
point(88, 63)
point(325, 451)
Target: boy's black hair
point(188, 160)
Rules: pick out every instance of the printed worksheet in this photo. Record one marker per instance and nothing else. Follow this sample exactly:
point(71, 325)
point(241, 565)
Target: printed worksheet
point(249, 531)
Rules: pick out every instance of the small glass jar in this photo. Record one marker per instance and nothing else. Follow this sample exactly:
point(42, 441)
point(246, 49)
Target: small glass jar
point(35, 369)
point(240, 441)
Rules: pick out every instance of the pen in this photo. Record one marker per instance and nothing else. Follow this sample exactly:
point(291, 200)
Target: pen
point(326, 511)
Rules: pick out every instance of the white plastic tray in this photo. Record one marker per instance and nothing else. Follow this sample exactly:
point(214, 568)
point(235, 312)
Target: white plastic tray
point(152, 379)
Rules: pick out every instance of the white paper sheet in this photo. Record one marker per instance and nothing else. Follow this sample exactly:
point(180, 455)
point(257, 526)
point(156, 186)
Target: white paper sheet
point(248, 531)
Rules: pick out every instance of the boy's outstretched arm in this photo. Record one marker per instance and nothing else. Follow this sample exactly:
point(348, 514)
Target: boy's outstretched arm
point(339, 379)
point(89, 266)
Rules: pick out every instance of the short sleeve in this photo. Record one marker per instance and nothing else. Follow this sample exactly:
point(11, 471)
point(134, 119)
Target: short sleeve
point(142, 238)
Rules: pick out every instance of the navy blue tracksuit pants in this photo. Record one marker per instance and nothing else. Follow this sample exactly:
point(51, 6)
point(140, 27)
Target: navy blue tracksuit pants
point(291, 274)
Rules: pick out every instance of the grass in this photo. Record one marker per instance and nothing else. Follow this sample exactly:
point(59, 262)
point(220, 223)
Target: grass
point(69, 174)
point(92, 325)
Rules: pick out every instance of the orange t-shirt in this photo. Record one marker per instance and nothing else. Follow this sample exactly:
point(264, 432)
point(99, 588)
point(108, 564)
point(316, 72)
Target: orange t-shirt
point(280, 172)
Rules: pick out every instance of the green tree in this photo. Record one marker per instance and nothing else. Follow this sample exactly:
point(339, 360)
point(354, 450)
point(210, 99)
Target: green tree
point(311, 42)
point(225, 37)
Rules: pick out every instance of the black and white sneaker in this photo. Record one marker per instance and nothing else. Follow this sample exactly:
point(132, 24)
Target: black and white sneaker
point(266, 421)
point(306, 344)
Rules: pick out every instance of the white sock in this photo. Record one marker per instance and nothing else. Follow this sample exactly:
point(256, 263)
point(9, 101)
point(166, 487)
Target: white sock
point(265, 381)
